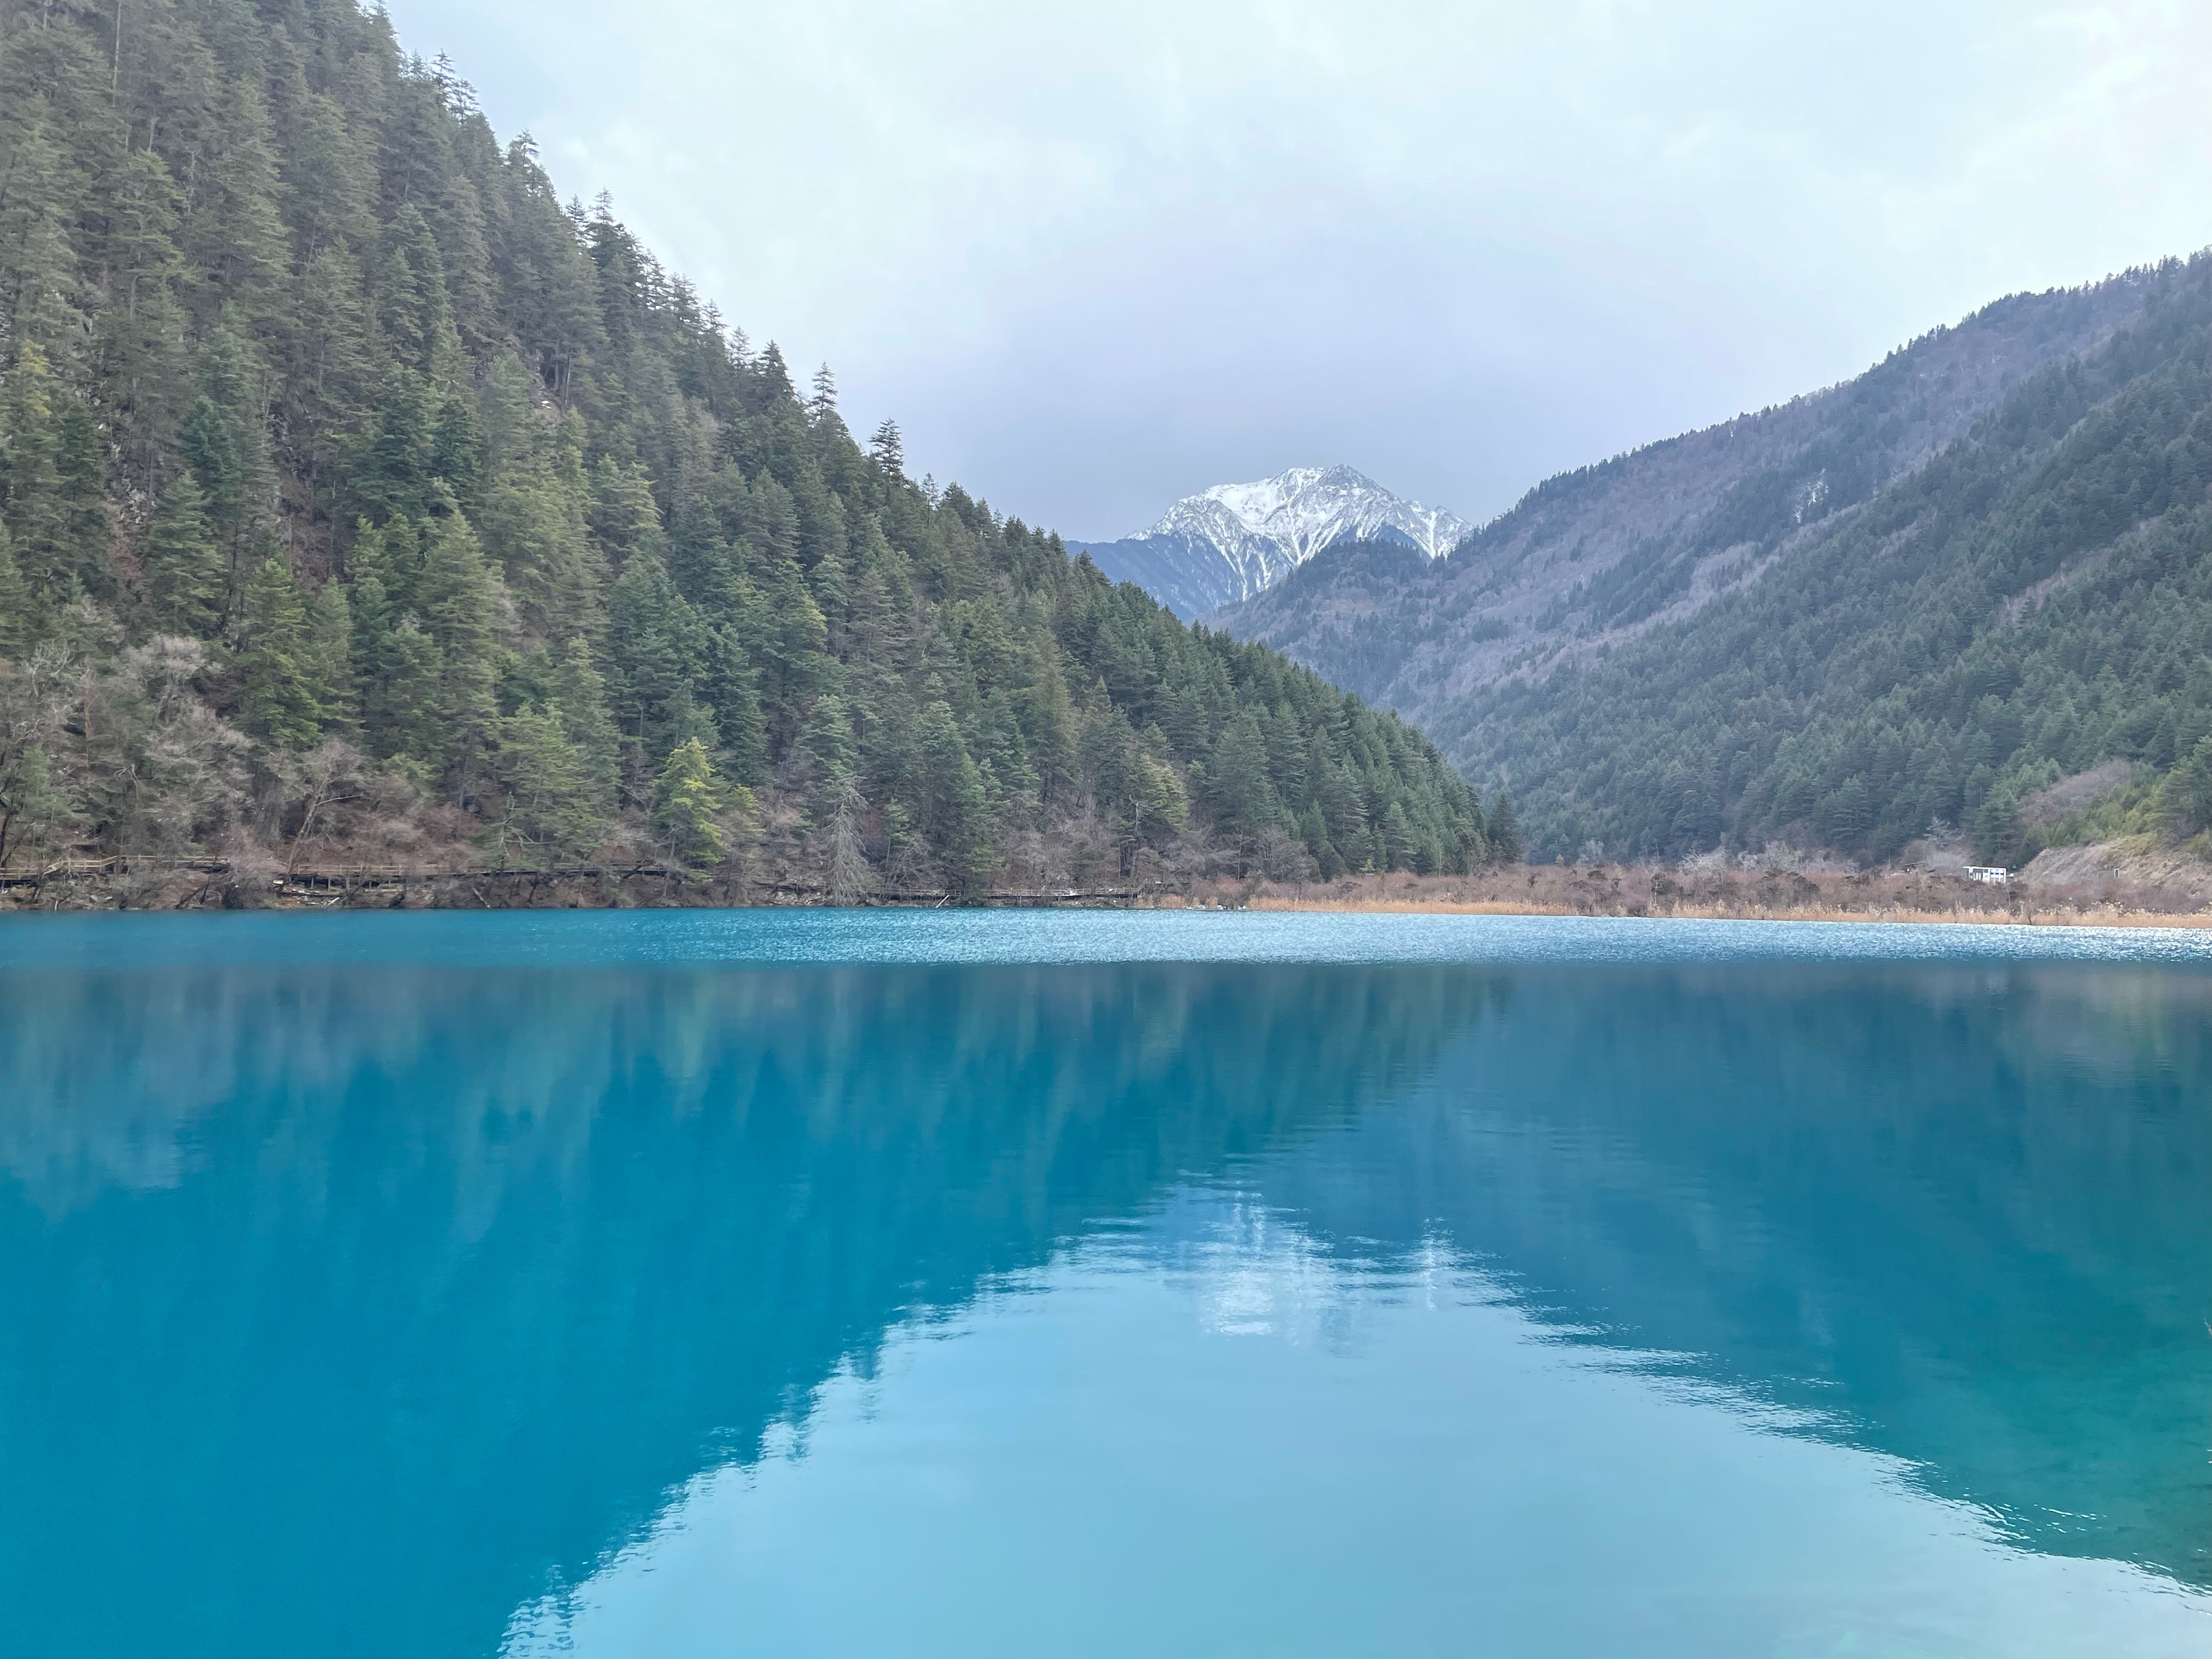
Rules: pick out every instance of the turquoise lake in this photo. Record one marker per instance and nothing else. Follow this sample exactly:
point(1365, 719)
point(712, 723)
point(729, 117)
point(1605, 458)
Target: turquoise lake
point(619, 1285)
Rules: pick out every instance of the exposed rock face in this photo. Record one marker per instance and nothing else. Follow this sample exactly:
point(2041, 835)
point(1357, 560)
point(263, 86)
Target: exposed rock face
point(2119, 866)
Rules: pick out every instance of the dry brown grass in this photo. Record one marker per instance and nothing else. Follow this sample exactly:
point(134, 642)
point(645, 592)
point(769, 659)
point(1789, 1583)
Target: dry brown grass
point(1545, 891)
point(1733, 896)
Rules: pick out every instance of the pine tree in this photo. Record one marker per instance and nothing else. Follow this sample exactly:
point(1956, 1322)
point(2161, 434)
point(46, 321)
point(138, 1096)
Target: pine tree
point(888, 449)
point(186, 576)
point(1398, 842)
point(458, 598)
point(655, 646)
point(39, 293)
point(954, 811)
point(533, 506)
point(329, 659)
point(388, 462)
point(1505, 831)
point(830, 754)
point(821, 407)
point(403, 705)
point(276, 698)
point(225, 439)
point(414, 305)
point(456, 595)
point(233, 232)
point(623, 515)
point(1316, 836)
point(209, 442)
point(1162, 809)
point(551, 796)
point(53, 507)
point(790, 655)
point(730, 690)
point(2187, 791)
point(581, 694)
point(688, 803)
point(1238, 792)
point(33, 811)
point(19, 619)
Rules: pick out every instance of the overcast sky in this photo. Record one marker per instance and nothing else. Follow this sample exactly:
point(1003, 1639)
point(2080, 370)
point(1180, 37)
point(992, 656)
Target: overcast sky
point(1092, 258)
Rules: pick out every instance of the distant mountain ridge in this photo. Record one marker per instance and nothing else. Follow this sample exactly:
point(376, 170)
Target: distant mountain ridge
point(1591, 559)
point(1233, 541)
point(1911, 605)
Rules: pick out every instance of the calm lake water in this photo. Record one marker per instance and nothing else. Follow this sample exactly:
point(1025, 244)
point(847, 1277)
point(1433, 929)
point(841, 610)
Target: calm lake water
point(793, 1285)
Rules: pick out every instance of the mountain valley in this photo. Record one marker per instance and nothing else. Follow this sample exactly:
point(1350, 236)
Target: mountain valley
point(1895, 608)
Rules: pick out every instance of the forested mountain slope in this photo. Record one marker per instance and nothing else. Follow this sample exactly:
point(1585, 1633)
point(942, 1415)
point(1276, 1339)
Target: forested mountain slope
point(355, 492)
point(2034, 600)
point(1596, 556)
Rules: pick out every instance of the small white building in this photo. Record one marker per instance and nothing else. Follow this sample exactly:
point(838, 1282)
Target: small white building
point(1989, 875)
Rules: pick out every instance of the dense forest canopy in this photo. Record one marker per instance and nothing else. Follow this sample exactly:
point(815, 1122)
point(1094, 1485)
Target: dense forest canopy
point(345, 469)
point(2035, 600)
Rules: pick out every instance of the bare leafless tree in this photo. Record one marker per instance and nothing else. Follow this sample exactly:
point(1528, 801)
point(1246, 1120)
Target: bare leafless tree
point(852, 878)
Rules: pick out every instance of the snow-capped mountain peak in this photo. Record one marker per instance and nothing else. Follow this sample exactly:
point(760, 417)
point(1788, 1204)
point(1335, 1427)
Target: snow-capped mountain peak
point(1303, 510)
point(1228, 543)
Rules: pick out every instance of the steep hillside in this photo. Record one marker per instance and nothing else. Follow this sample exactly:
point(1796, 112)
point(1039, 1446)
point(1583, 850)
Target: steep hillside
point(1591, 559)
point(1232, 541)
point(359, 500)
point(2033, 601)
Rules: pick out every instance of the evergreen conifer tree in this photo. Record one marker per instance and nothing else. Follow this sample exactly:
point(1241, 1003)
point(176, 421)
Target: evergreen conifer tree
point(888, 449)
point(32, 809)
point(1314, 834)
point(830, 755)
point(50, 490)
point(225, 440)
point(730, 690)
point(458, 598)
point(688, 803)
point(552, 803)
point(187, 577)
point(581, 694)
point(19, 621)
point(275, 698)
point(1162, 810)
point(403, 714)
point(1505, 831)
point(1397, 837)
point(954, 809)
point(330, 657)
point(39, 284)
point(1238, 790)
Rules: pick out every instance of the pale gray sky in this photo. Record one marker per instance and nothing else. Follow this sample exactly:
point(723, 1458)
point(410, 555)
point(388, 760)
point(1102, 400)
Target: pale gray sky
point(1092, 258)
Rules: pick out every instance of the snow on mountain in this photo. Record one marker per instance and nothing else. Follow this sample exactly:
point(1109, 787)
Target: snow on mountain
point(1230, 542)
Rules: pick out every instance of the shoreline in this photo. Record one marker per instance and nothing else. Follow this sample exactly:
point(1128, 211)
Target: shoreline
point(1538, 891)
point(2068, 916)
